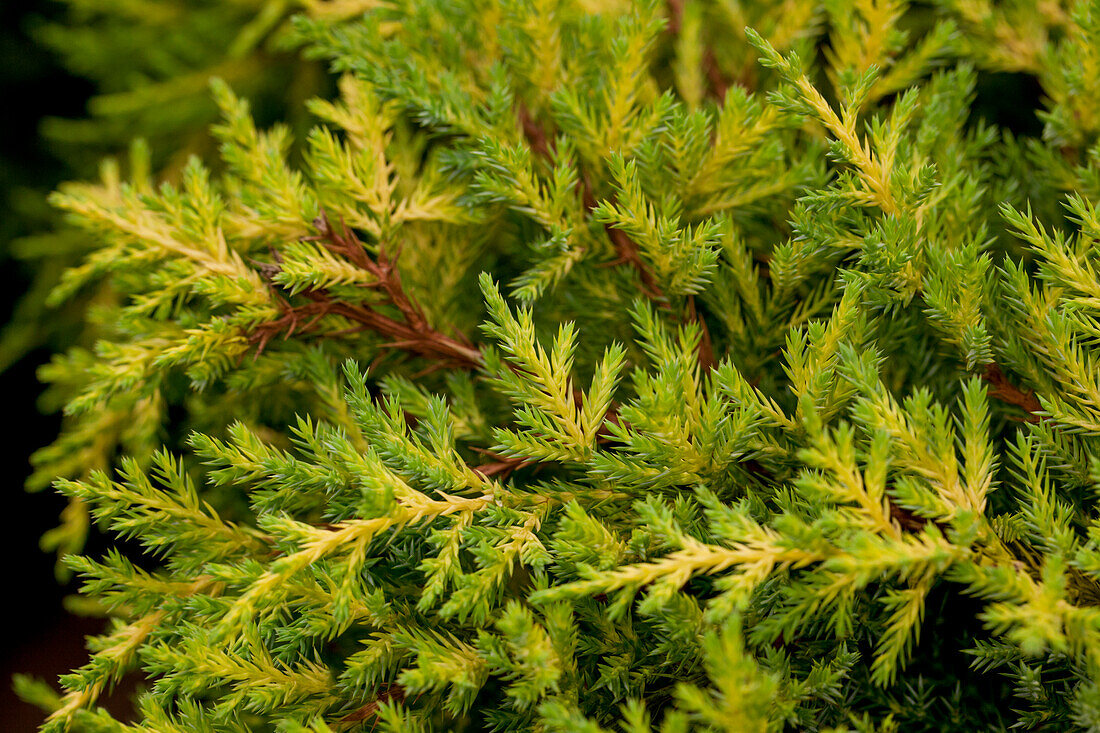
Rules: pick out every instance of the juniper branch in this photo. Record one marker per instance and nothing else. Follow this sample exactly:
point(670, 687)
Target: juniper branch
point(411, 332)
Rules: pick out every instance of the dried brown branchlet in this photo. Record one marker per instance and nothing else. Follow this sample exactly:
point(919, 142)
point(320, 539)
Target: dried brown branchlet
point(405, 326)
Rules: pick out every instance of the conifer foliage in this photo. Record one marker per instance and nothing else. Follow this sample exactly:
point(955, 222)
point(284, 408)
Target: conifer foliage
point(601, 365)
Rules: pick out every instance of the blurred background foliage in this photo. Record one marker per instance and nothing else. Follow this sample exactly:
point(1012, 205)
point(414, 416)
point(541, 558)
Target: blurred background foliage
point(146, 67)
point(35, 86)
point(83, 79)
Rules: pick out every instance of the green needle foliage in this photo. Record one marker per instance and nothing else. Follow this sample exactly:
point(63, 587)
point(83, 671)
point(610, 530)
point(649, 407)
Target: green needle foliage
point(604, 365)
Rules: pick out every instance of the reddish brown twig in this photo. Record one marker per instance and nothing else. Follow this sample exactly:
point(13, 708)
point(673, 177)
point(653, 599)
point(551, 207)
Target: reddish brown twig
point(719, 85)
point(1003, 390)
point(675, 17)
point(410, 331)
point(626, 248)
point(536, 136)
point(707, 359)
point(502, 466)
point(389, 692)
point(906, 519)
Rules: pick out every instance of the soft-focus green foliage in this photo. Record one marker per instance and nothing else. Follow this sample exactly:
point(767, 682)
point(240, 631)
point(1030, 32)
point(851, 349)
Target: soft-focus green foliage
point(599, 365)
point(150, 63)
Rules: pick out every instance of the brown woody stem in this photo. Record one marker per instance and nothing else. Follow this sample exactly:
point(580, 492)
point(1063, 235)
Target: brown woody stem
point(390, 692)
point(410, 331)
point(1003, 390)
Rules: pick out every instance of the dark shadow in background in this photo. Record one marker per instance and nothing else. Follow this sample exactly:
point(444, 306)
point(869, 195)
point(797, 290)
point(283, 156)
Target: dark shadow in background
point(1009, 101)
point(39, 637)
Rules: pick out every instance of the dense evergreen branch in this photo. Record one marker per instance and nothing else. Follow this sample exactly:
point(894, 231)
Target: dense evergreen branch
point(625, 248)
point(735, 497)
